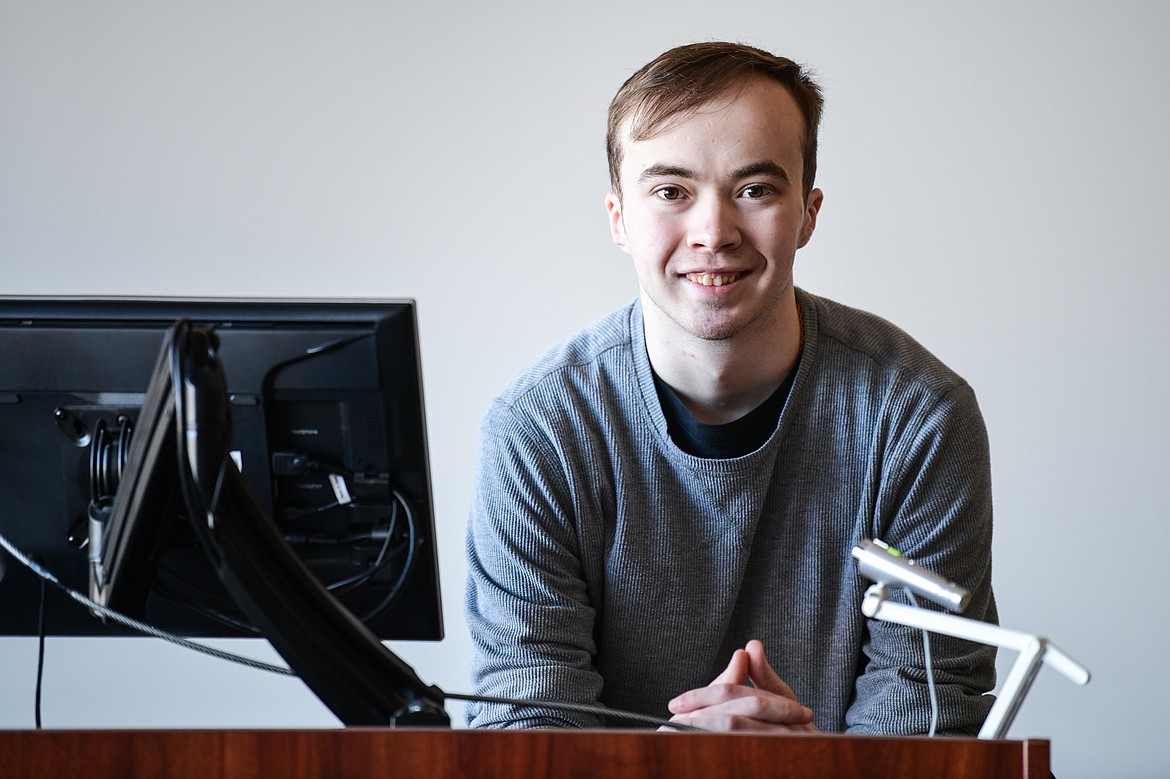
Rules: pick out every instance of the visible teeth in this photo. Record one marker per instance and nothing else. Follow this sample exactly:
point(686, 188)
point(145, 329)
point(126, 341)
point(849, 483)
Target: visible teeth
point(709, 280)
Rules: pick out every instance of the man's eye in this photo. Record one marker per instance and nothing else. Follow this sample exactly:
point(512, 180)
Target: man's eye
point(668, 193)
point(756, 191)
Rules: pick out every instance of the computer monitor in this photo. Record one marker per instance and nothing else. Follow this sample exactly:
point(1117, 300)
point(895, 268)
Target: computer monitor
point(327, 431)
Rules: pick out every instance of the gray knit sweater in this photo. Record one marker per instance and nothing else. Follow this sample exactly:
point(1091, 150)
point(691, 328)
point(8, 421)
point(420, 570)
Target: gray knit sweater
point(607, 565)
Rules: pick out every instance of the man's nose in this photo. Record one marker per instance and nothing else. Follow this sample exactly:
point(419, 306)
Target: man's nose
point(714, 225)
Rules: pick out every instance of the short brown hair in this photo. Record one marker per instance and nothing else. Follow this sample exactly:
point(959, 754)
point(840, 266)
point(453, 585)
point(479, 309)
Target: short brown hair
point(687, 77)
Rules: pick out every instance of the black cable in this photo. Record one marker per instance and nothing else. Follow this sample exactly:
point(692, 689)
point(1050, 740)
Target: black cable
point(47, 577)
point(97, 610)
point(412, 543)
point(578, 708)
point(40, 655)
point(358, 579)
point(168, 592)
point(186, 478)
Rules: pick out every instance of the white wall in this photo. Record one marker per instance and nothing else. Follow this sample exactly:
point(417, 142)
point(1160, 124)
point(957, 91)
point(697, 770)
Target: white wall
point(995, 179)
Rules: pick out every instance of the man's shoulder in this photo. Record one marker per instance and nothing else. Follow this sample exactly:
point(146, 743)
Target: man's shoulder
point(848, 333)
point(587, 352)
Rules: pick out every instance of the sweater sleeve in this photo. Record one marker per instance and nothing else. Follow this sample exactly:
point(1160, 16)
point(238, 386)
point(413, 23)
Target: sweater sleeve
point(527, 605)
point(934, 504)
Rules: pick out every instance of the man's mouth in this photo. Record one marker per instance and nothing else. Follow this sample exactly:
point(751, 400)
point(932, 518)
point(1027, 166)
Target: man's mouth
point(713, 279)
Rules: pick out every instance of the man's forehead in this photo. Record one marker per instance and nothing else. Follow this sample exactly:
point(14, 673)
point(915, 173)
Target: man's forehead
point(649, 121)
point(765, 131)
point(644, 123)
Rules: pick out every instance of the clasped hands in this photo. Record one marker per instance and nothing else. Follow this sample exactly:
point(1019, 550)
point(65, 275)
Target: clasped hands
point(747, 695)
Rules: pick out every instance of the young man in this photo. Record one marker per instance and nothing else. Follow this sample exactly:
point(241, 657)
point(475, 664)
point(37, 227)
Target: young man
point(667, 501)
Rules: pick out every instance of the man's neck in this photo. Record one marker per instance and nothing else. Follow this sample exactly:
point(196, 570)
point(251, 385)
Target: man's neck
point(720, 381)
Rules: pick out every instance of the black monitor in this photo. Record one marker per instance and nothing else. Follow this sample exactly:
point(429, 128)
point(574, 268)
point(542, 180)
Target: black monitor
point(327, 431)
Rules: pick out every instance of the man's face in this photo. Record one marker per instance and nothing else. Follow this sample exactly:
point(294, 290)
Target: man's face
point(712, 213)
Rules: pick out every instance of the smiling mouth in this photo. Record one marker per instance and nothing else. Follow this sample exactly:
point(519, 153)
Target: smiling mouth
point(713, 279)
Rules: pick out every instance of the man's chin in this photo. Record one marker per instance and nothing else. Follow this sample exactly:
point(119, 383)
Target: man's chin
point(715, 329)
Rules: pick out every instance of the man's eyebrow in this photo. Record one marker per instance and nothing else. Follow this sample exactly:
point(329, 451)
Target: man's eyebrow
point(663, 170)
point(761, 168)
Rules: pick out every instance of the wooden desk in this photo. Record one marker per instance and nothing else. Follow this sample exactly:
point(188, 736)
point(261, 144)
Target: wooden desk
point(532, 754)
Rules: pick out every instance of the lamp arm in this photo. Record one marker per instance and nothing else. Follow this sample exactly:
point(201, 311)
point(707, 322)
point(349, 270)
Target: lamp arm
point(1033, 652)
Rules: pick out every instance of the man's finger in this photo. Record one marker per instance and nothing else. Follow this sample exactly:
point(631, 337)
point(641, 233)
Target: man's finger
point(710, 705)
point(737, 669)
point(761, 673)
point(734, 675)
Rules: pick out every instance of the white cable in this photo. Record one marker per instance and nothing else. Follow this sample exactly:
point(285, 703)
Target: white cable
point(929, 672)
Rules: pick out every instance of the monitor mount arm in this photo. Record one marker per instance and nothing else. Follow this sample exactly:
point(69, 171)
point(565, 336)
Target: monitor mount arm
point(1034, 651)
point(361, 681)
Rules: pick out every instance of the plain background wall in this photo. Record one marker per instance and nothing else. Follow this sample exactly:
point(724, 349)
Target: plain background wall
point(996, 183)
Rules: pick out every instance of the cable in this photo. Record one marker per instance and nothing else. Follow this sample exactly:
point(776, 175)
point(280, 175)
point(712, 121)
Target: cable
point(48, 577)
point(407, 565)
point(929, 672)
point(358, 579)
point(578, 708)
point(40, 656)
point(178, 589)
point(134, 624)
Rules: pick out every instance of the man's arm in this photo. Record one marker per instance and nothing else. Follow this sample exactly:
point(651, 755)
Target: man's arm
point(934, 504)
point(527, 604)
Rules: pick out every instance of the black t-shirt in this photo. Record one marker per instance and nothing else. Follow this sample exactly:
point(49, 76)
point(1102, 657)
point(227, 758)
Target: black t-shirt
point(732, 439)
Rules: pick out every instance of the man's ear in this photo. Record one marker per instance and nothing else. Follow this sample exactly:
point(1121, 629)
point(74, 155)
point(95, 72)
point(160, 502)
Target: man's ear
point(617, 228)
point(812, 207)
